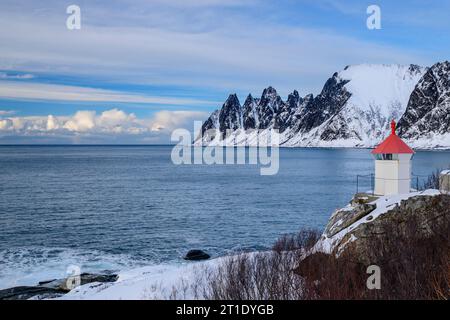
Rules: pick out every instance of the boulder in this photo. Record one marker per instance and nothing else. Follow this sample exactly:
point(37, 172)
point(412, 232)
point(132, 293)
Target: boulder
point(346, 216)
point(422, 211)
point(196, 255)
point(61, 284)
point(444, 181)
point(27, 292)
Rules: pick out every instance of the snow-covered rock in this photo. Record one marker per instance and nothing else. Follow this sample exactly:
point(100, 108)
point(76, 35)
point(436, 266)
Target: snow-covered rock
point(165, 281)
point(354, 109)
point(357, 109)
point(426, 121)
point(343, 228)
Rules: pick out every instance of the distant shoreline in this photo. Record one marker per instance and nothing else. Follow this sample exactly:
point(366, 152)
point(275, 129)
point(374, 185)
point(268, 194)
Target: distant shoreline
point(172, 145)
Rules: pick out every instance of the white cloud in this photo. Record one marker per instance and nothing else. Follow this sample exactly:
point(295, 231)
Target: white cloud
point(43, 91)
point(6, 112)
point(152, 44)
point(52, 123)
point(82, 121)
point(6, 124)
point(204, 3)
point(167, 120)
point(16, 76)
point(110, 125)
point(115, 117)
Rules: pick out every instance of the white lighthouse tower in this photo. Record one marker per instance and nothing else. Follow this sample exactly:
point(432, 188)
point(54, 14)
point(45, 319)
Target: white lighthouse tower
point(392, 165)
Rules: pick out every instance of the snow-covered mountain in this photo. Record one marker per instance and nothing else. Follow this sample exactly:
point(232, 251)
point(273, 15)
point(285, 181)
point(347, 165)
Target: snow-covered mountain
point(353, 109)
point(426, 121)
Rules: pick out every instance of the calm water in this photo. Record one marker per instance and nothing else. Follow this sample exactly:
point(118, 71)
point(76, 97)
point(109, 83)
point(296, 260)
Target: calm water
point(104, 207)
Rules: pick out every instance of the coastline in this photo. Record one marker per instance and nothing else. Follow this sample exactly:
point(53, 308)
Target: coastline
point(183, 280)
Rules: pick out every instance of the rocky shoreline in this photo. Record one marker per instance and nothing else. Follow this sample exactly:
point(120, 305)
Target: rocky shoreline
point(53, 288)
point(354, 230)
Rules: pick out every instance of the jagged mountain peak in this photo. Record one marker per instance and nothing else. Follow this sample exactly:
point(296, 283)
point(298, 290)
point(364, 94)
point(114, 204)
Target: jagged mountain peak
point(249, 99)
point(354, 107)
point(426, 120)
point(232, 99)
point(269, 93)
point(440, 68)
point(293, 95)
point(269, 90)
point(414, 68)
point(309, 96)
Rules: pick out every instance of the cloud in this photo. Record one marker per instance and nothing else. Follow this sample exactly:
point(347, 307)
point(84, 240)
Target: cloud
point(16, 76)
point(205, 3)
point(43, 91)
point(226, 48)
point(82, 121)
point(6, 112)
point(110, 125)
point(165, 120)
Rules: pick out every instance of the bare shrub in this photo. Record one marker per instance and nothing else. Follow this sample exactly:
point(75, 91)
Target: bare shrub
point(261, 275)
point(432, 181)
point(414, 262)
point(304, 239)
point(328, 277)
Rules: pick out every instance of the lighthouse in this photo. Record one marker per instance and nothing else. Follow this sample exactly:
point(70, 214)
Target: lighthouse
point(392, 165)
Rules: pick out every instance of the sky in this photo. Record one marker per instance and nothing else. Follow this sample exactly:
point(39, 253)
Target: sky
point(138, 69)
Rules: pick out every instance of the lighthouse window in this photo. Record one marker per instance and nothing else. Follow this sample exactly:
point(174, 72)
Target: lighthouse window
point(387, 156)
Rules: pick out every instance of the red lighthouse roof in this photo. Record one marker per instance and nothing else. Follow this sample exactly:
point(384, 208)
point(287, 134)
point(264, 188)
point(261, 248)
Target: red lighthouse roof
point(392, 144)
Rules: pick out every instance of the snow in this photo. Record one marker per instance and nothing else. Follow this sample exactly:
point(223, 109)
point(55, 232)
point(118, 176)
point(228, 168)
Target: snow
point(152, 282)
point(380, 86)
point(27, 265)
point(379, 93)
point(178, 281)
point(183, 281)
point(430, 141)
point(383, 205)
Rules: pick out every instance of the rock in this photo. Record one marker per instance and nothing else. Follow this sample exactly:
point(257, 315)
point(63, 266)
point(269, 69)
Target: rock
point(444, 181)
point(196, 255)
point(339, 112)
point(52, 288)
point(230, 114)
point(423, 216)
point(269, 111)
point(423, 211)
point(313, 266)
point(346, 216)
point(61, 284)
point(27, 292)
point(428, 112)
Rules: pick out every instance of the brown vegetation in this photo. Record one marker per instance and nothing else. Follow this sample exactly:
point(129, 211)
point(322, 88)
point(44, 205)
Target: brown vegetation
point(414, 265)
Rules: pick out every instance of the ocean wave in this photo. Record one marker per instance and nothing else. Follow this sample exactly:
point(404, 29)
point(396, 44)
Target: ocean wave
point(29, 265)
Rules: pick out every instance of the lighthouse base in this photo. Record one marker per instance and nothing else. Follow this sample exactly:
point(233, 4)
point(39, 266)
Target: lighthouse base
point(392, 177)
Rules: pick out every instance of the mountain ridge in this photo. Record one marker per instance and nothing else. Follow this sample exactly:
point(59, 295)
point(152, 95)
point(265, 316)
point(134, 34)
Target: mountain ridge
point(353, 109)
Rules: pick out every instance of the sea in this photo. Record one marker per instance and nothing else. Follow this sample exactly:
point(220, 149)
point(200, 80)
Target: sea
point(113, 208)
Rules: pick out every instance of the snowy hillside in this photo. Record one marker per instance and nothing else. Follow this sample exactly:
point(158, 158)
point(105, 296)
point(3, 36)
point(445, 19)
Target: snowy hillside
point(383, 87)
point(353, 109)
point(377, 93)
